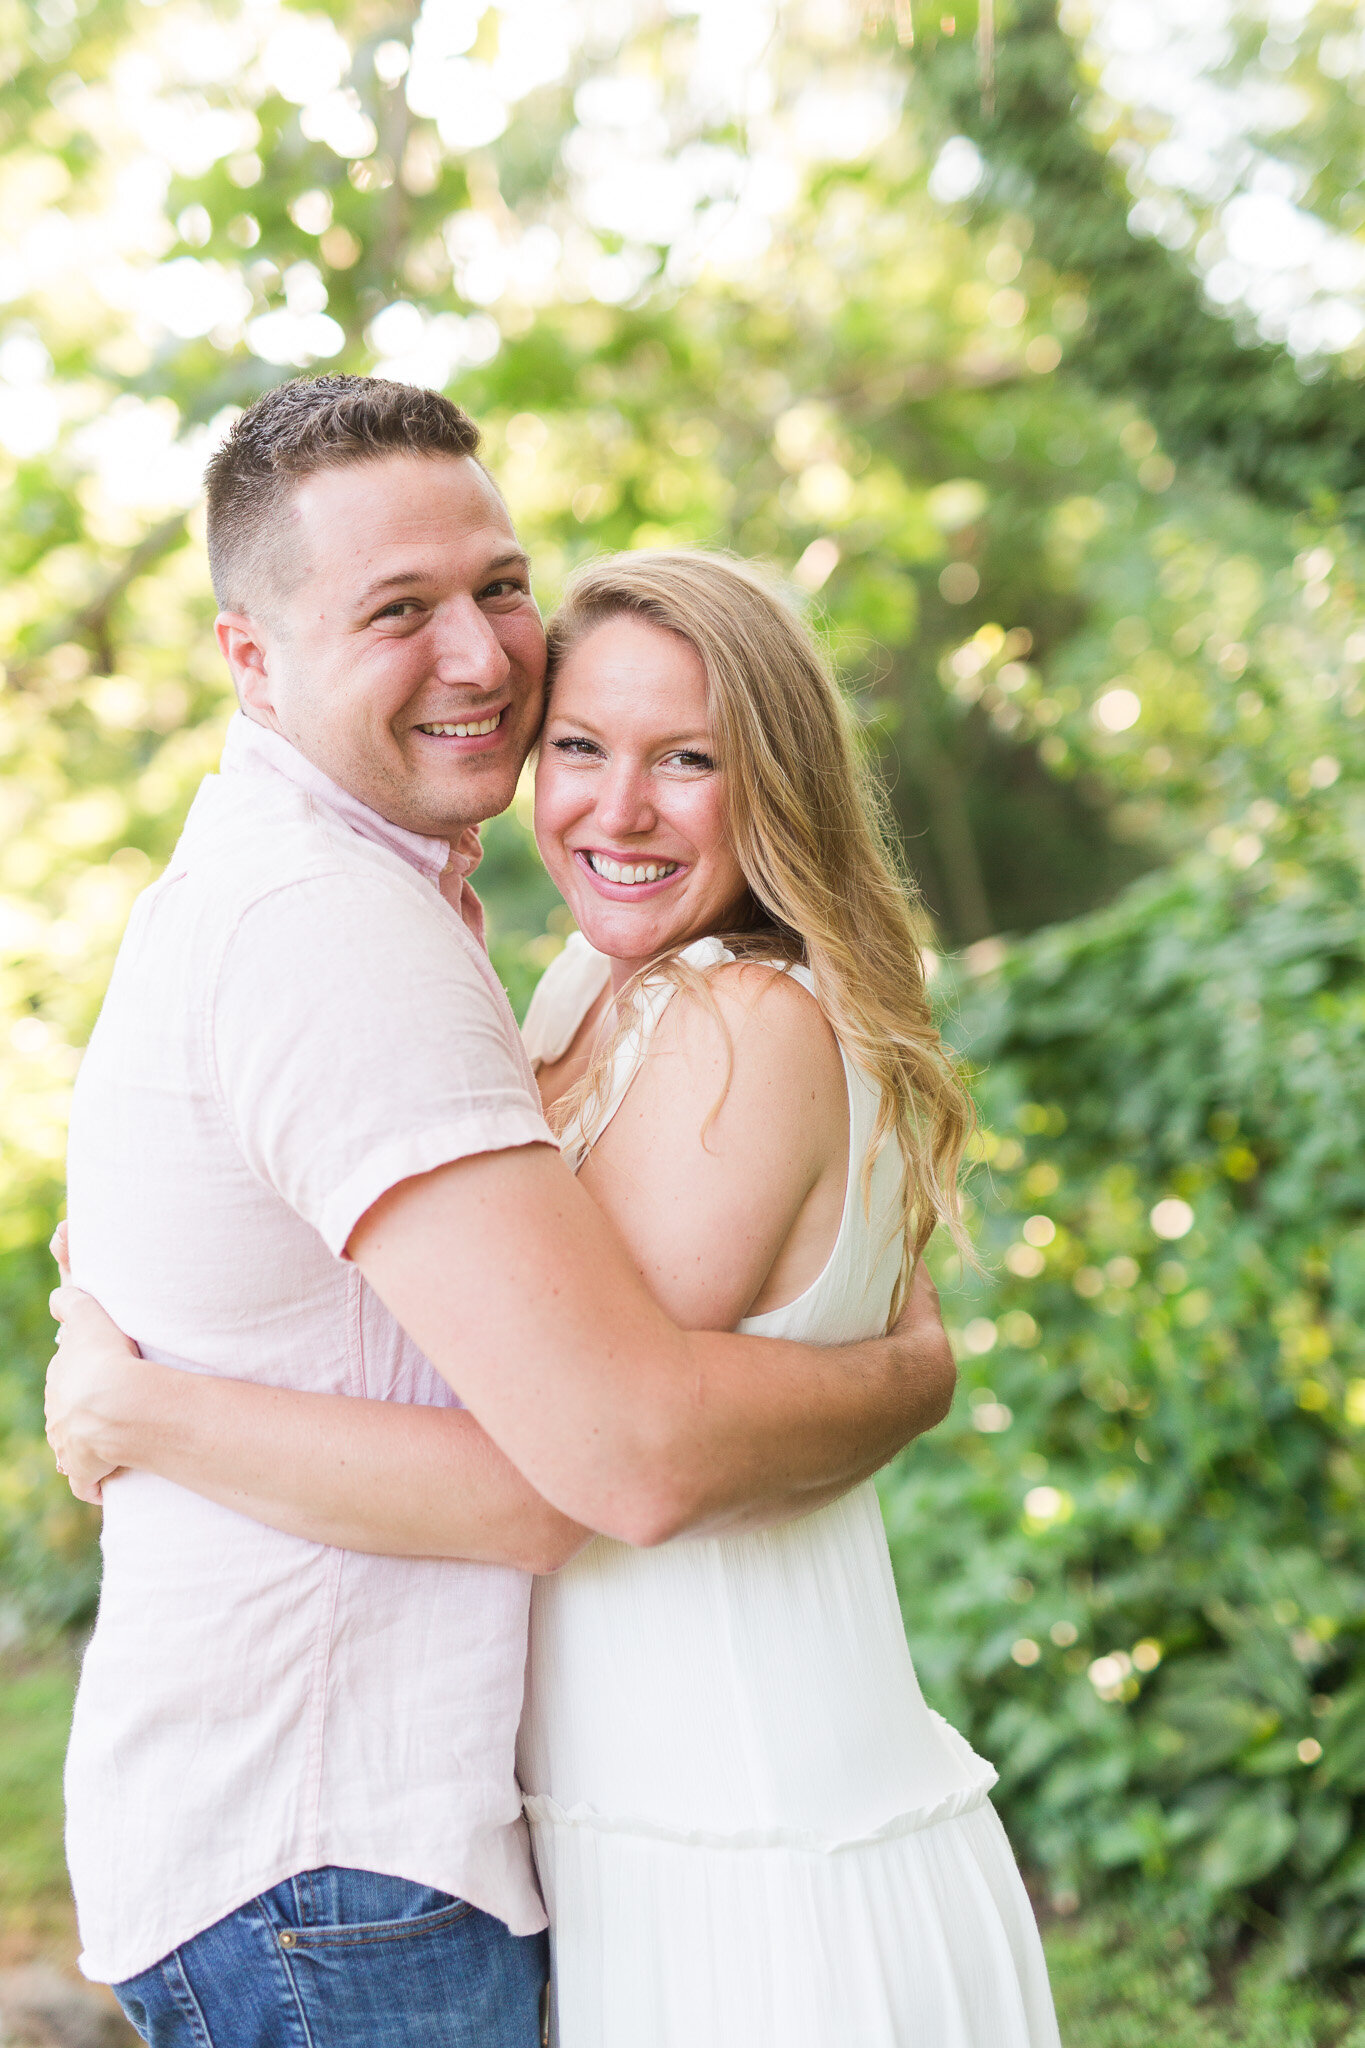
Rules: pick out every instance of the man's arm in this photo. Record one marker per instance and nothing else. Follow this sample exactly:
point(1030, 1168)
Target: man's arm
point(512, 1282)
point(387, 1106)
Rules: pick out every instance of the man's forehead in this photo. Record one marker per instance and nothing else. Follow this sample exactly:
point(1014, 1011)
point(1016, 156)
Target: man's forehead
point(404, 499)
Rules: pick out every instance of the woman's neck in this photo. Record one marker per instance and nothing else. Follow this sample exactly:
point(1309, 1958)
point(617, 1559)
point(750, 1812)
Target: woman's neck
point(621, 972)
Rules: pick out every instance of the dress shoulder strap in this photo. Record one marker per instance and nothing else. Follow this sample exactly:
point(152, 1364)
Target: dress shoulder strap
point(648, 1003)
point(563, 996)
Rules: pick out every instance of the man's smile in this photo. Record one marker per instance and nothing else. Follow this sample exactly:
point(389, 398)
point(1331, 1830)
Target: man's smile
point(463, 729)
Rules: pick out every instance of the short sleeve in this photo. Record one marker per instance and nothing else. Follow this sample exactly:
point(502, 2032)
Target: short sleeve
point(355, 1042)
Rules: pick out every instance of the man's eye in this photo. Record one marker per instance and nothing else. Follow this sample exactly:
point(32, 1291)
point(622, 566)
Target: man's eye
point(401, 608)
point(505, 586)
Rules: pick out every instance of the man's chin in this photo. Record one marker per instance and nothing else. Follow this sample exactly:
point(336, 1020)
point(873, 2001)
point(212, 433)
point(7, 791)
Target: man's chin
point(445, 809)
point(437, 799)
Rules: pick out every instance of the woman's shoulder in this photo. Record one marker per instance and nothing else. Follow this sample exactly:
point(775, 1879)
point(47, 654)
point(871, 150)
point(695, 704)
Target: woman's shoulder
point(778, 992)
point(563, 996)
point(771, 1018)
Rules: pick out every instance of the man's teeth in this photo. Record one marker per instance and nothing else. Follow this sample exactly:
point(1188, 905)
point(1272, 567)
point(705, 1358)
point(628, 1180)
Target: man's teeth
point(463, 732)
point(614, 871)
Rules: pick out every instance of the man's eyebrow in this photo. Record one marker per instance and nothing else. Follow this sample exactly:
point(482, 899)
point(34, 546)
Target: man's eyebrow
point(407, 579)
point(402, 579)
point(514, 558)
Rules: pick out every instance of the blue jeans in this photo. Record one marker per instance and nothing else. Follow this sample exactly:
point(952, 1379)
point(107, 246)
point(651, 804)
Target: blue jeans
point(345, 1959)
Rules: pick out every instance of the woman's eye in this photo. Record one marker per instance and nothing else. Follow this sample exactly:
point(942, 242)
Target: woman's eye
point(576, 747)
point(693, 758)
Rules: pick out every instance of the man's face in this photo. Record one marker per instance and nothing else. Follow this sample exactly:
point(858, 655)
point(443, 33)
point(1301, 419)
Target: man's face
point(413, 616)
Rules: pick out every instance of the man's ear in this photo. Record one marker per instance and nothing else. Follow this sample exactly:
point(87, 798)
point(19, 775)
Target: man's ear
point(243, 644)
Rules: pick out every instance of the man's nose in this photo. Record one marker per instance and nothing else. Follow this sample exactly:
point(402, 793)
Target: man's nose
point(469, 652)
point(624, 804)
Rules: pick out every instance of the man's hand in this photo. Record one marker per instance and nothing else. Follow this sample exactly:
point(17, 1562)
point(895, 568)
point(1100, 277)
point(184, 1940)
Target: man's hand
point(928, 1355)
point(87, 1371)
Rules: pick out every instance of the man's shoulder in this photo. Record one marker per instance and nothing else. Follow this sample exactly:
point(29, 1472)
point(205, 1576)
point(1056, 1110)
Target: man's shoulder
point(250, 839)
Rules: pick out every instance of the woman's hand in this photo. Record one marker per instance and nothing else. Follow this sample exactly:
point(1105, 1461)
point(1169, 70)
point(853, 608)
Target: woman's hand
point(388, 1477)
point(89, 1367)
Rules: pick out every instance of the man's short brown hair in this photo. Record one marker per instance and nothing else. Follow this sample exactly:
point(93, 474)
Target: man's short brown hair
point(293, 431)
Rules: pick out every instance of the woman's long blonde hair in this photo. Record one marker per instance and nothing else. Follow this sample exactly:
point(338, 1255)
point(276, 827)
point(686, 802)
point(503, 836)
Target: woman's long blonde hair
point(808, 828)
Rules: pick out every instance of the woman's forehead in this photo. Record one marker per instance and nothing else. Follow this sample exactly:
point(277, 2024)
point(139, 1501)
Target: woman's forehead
point(630, 669)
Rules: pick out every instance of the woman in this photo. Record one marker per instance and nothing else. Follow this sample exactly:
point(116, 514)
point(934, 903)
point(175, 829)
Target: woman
point(749, 1827)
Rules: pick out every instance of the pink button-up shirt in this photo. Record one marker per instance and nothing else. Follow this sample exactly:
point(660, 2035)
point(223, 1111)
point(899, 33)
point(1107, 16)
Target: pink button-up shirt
point(302, 1015)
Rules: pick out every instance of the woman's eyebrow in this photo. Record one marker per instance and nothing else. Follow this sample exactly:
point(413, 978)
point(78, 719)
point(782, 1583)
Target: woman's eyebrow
point(566, 718)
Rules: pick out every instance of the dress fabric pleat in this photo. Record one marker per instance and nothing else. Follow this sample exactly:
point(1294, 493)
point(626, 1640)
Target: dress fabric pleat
point(751, 1830)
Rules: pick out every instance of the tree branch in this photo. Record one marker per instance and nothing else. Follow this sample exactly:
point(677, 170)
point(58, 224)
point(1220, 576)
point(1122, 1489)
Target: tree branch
point(92, 622)
point(1150, 332)
point(942, 792)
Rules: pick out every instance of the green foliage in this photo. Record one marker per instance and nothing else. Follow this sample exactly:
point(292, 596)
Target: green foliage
point(35, 1716)
point(1211, 389)
point(1124, 1983)
point(1133, 1564)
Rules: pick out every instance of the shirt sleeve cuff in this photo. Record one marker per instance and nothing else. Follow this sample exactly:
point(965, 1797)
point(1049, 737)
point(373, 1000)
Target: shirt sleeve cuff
point(486, 1130)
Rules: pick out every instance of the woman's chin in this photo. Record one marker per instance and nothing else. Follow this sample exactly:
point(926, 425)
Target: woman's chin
point(624, 934)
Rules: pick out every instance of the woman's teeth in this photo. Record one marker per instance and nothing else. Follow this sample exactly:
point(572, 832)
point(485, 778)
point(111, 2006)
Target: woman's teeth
point(613, 871)
point(463, 732)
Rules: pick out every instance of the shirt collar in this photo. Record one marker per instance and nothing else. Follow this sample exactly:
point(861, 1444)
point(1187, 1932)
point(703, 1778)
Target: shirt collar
point(252, 749)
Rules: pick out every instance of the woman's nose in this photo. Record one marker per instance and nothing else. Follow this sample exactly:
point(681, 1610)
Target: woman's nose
point(624, 808)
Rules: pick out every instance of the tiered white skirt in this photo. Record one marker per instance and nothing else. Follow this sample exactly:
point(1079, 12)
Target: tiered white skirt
point(919, 1935)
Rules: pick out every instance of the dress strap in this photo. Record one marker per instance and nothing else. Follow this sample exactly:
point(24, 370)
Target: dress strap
point(563, 997)
point(648, 1003)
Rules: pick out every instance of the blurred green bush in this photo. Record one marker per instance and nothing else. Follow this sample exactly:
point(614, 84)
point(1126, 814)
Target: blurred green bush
point(1133, 1564)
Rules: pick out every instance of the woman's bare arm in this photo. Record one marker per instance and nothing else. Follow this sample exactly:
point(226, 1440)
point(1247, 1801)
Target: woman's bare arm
point(382, 1476)
point(724, 1169)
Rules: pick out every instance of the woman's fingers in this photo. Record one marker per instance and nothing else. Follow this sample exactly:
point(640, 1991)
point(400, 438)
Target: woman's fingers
point(921, 1303)
point(91, 1491)
point(80, 1466)
point(59, 1248)
point(92, 1360)
point(82, 1318)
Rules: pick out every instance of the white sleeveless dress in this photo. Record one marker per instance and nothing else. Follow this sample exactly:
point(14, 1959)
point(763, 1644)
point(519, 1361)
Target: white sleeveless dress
point(750, 1829)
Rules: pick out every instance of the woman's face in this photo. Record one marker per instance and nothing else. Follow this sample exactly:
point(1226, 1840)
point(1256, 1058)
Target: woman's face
point(627, 785)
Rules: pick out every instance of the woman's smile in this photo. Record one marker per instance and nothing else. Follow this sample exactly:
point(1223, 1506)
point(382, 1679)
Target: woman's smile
point(628, 876)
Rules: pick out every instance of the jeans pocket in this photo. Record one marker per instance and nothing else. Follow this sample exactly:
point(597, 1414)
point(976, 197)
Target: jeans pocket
point(365, 1933)
point(450, 1974)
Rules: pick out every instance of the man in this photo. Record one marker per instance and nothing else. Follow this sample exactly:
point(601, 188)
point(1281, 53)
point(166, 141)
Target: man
point(306, 1146)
